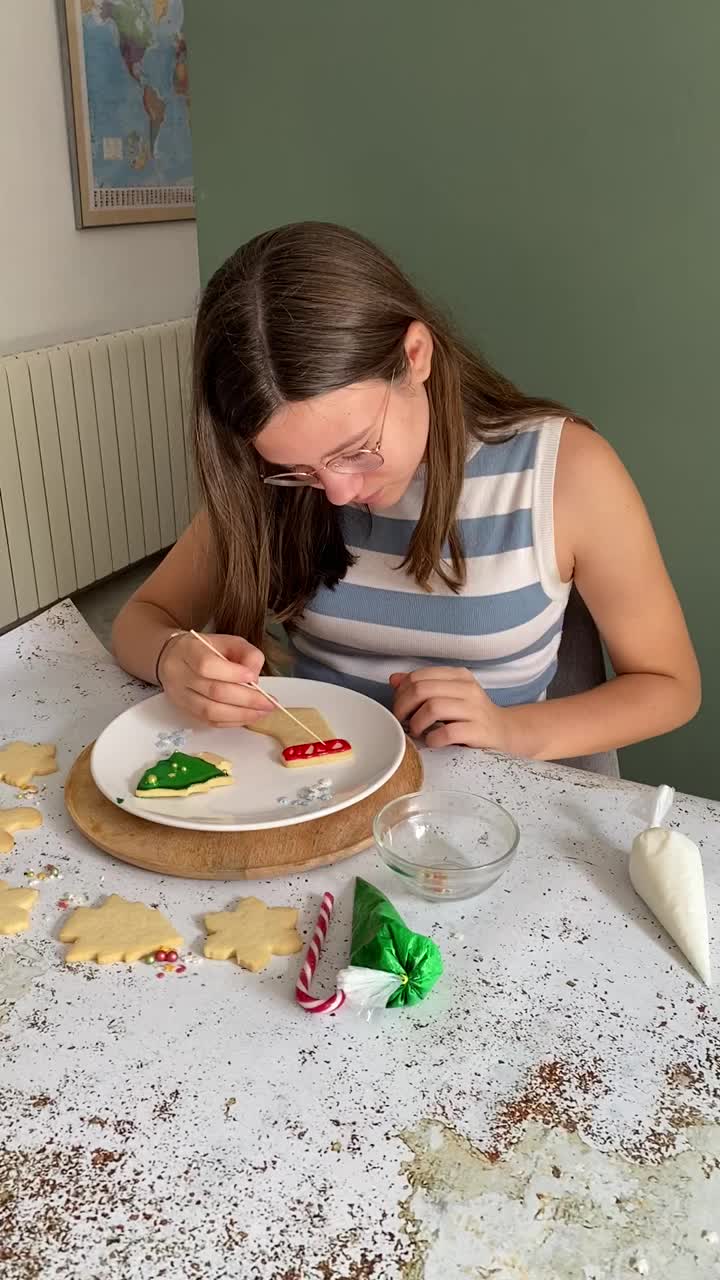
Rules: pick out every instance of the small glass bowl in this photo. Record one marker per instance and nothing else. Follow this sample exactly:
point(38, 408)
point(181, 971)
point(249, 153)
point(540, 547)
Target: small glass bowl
point(446, 844)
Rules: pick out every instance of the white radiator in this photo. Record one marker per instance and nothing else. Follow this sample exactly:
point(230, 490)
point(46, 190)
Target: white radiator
point(94, 461)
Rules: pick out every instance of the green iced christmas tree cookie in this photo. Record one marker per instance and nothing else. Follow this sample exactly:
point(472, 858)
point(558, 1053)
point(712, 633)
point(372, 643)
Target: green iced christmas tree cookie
point(184, 775)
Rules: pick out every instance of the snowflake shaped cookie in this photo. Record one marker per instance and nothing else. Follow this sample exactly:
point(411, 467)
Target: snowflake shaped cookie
point(252, 933)
point(15, 908)
point(20, 762)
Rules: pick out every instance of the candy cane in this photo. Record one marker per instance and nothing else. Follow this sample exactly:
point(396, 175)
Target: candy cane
point(302, 990)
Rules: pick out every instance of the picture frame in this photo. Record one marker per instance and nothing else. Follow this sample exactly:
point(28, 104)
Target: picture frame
point(127, 103)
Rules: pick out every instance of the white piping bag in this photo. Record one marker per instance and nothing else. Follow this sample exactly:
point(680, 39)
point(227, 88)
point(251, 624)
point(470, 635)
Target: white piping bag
point(666, 871)
point(368, 989)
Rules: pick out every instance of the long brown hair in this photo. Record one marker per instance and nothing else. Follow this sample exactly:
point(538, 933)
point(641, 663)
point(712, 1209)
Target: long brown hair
point(297, 312)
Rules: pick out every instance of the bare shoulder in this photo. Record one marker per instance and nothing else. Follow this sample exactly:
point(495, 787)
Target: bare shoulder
point(589, 470)
point(583, 452)
point(595, 496)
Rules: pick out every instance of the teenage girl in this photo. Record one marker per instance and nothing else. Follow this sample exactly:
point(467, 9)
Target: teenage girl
point(411, 517)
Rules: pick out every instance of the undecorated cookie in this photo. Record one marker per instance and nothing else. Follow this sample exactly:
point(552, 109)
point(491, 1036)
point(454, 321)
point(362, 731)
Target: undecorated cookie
point(183, 775)
point(117, 931)
point(297, 752)
point(15, 908)
point(20, 762)
point(23, 819)
point(252, 933)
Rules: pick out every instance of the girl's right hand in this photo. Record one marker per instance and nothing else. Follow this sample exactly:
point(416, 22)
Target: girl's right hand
point(214, 689)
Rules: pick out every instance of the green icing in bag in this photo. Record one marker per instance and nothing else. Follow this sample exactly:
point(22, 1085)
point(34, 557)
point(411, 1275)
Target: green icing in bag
point(381, 940)
point(178, 772)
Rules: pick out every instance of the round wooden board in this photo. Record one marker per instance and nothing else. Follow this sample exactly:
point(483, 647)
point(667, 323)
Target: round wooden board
point(229, 855)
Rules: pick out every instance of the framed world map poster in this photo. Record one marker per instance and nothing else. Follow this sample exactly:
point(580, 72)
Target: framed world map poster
point(128, 99)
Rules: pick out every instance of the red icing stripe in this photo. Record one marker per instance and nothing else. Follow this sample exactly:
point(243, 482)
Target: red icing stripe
point(315, 750)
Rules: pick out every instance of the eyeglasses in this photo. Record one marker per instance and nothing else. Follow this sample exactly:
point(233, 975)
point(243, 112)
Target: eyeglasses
point(360, 462)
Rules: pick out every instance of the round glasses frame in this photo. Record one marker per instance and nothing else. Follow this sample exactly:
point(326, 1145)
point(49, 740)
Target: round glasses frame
point(359, 462)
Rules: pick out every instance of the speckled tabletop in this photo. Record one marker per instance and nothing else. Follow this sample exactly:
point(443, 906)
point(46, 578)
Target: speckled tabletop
point(551, 1111)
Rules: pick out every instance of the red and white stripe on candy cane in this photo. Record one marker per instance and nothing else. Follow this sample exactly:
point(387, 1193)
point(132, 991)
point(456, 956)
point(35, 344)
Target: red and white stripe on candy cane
point(302, 989)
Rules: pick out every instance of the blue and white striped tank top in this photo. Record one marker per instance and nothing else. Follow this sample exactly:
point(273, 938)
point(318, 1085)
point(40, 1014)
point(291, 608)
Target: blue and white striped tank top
point(505, 625)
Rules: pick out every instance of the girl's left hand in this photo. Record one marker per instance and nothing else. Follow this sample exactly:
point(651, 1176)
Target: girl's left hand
point(451, 699)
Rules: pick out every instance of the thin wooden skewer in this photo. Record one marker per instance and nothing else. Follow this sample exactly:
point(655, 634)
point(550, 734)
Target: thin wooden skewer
point(250, 684)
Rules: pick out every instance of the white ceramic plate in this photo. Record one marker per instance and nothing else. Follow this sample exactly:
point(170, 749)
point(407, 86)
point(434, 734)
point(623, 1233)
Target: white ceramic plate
point(265, 793)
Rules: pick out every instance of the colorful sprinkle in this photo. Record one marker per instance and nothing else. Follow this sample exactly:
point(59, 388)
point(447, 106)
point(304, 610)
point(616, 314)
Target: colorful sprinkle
point(71, 900)
point(167, 960)
point(436, 881)
point(119, 800)
point(48, 873)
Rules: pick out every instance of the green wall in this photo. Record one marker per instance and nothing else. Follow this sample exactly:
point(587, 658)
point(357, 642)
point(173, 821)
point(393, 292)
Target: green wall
point(550, 170)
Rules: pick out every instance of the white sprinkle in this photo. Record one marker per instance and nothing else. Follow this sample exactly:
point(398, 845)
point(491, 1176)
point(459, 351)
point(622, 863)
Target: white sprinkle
point(641, 1265)
point(711, 1237)
point(460, 936)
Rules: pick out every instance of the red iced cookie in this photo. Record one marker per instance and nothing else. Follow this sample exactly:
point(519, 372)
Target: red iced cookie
point(307, 753)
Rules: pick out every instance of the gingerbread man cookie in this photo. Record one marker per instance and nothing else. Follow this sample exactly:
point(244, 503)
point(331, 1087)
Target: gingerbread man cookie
point(252, 933)
point(297, 752)
point(24, 819)
point(20, 762)
point(118, 930)
point(15, 908)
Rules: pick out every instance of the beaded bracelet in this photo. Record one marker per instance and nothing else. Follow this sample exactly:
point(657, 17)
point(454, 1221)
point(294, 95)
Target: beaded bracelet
point(168, 641)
